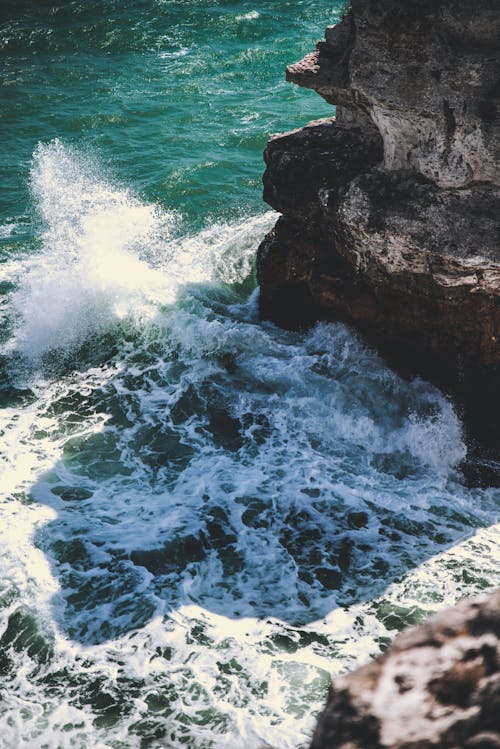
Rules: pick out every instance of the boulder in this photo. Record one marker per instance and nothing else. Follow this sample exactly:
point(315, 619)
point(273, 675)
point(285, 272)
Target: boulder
point(436, 687)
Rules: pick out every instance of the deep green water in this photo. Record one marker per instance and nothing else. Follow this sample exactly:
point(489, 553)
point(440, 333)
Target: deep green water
point(176, 99)
point(202, 516)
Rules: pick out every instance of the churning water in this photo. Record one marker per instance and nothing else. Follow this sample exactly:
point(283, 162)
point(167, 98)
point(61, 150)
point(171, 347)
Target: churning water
point(203, 516)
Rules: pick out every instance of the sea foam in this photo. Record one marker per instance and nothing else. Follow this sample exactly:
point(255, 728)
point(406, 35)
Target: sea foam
point(211, 516)
point(107, 258)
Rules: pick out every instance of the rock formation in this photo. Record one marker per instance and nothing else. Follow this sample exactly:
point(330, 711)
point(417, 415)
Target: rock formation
point(438, 686)
point(391, 210)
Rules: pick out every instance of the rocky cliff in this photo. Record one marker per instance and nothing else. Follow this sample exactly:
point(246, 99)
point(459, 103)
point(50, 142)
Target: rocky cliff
point(437, 686)
point(391, 210)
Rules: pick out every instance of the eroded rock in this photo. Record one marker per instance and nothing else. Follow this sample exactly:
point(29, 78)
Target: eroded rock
point(392, 209)
point(322, 155)
point(438, 686)
point(428, 73)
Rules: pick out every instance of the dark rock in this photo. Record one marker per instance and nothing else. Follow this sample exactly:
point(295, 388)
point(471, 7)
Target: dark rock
point(392, 209)
point(438, 686)
point(320, 155)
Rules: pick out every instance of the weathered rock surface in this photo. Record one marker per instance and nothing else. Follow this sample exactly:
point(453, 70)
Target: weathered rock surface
point(428, 73)
point(322, 155)
point(437, 686)
point(391, 210)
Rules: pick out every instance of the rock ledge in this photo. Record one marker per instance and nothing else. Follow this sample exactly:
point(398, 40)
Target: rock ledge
point(391, 210)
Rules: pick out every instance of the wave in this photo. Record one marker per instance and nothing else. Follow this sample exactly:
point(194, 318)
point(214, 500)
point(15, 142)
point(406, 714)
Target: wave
point(107, 258)
point(217, 513)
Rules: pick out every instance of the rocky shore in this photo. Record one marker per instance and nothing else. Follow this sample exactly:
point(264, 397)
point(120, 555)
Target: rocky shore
point(438, 686)
point(390, 221)
point(391, 210)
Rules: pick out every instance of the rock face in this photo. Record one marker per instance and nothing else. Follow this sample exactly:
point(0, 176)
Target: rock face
point(391, 210)
point(437, 686)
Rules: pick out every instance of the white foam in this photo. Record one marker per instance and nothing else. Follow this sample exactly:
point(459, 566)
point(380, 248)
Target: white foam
point(7, 230)
point(172, 55)
point(107, 257)
point(252, 15)
point(327, 435)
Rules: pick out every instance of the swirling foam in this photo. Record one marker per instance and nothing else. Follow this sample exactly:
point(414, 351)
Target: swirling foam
point(206, 521)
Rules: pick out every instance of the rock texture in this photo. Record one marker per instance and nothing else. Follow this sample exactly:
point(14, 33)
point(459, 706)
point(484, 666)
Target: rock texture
point(437, 686)
point(391, 209)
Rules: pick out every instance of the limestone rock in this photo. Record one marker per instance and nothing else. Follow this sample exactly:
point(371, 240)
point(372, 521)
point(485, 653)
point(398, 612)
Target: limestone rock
point(437, 686)
point(429, 75)
point(391, 210)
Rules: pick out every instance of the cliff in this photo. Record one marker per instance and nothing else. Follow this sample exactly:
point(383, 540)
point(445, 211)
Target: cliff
point(437, 686)
point(391, 210)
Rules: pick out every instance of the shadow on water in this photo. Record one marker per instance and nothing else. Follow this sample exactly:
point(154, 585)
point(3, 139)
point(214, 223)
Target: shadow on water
point(252, 471)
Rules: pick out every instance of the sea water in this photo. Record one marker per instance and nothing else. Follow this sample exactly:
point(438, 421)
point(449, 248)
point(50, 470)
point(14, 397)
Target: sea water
point(203, 517)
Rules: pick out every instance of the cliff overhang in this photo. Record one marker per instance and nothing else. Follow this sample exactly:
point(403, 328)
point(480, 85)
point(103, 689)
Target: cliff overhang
point(391, 209)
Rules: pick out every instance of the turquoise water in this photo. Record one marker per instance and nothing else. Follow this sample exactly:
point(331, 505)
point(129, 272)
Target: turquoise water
point(203, 516)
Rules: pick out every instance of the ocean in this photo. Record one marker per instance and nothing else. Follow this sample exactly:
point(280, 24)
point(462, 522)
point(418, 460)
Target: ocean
point(203, 516)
